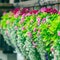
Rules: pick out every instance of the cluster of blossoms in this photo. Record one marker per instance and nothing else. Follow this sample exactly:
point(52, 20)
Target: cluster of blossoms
point(33, 31)
point(48, 10)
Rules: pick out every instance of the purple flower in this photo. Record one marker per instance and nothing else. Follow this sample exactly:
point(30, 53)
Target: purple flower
point(29, 34)
point(58, 33)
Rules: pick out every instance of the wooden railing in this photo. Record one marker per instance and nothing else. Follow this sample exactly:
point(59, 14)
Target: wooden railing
point(35, 3)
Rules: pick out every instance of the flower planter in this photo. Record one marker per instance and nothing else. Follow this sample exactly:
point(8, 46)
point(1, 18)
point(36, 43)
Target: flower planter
point(34, 33)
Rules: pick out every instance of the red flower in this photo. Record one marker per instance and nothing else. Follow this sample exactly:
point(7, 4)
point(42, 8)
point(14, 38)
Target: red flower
point(33, 11)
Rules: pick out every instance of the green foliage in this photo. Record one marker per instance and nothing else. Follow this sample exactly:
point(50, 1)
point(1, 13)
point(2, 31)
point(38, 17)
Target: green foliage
point(31, 39)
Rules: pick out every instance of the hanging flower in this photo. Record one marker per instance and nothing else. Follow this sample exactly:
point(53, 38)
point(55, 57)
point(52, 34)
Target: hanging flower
point(7, 33)
point(38, 33)
point(43, 20)
point(34, 29)
point(29, 34)
point(34, 44)
point(4, 13)
point(52, 49)
point(31, 21)
point(58, 33)
point(23, 28)
point(28, 14)
point(59, 12)
point(38, 20)
point(33, 11)
point(22, 20)
point(43, 9)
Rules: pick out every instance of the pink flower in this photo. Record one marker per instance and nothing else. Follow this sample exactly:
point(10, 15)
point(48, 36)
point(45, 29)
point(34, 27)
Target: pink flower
point(44, 20)
point(52, 49)
point(16, 15)
point(4, 13)
point(38, 20)
point(22, 20)
point(16, 10)
point(59, 12)
point(23, 28)
point(34, 29)
point(28, 14)
point(16, 28)
point(38, 33)
point(7, 22)
point(43, 9)
point(23, 15)
point(38, 30)
point(29, 34)
point(34, 44)
point(7, 33)
point(37, 12)
point(31, 21)
point(58, 33)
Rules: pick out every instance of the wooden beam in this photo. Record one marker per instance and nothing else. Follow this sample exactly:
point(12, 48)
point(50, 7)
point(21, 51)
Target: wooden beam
point(35, 3)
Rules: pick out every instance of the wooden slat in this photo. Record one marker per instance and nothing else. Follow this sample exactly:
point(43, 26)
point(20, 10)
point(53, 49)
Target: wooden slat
point(35, 3)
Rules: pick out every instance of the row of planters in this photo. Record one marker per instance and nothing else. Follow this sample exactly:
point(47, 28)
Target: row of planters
point(35, 33)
